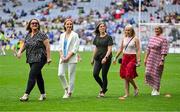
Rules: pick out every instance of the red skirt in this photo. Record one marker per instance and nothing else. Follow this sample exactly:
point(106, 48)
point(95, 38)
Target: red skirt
point(128, 66)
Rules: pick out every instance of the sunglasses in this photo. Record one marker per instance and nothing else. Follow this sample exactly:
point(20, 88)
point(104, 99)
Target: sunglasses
point(34, 23)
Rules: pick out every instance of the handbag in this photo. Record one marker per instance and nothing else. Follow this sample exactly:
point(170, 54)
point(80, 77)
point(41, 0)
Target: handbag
point(120, 59)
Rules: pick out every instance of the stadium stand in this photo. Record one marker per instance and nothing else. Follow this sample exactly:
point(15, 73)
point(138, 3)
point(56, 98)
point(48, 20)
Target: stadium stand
point(14, 15)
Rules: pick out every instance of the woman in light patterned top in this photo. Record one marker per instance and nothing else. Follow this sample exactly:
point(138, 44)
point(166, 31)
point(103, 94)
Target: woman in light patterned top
point(154, 60)
point(37, 49)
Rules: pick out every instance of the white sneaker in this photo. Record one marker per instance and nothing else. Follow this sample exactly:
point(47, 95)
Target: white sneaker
point(66, 95)
point(155, 93)
point(42, 97)
point(24, 97)
point(152, 93)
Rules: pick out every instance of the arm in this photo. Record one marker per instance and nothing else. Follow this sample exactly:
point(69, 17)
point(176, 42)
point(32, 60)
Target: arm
point(162, 60)
point(145, 57)
point(138, 51)
point(75, 48)
point(61, 48)
point(164, 51)
point(94, 53)
point(118, 52)
point(107, 54)
point(21, 50)
point(70, 54)
point(61, 54)
point(47, 45)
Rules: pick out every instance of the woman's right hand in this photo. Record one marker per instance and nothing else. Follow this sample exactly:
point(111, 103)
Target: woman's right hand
point(19, 54)
point(92, 61)
point(62, 58)
point(145, 61)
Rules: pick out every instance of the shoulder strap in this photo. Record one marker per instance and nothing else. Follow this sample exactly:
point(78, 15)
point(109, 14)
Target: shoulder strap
point(128, 44)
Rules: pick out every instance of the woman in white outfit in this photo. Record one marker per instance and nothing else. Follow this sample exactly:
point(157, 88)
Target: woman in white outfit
point(69, 44)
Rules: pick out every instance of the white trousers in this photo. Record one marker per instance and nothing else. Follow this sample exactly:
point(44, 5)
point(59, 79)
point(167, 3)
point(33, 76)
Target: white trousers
point(71, 75)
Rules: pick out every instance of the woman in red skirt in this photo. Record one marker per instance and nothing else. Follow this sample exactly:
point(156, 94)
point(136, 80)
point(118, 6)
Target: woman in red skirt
point(130, 48)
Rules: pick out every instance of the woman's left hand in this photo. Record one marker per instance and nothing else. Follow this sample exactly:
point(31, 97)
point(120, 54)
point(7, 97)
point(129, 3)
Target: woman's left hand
point(161, 63)
point(66, 60)
point(49, 60)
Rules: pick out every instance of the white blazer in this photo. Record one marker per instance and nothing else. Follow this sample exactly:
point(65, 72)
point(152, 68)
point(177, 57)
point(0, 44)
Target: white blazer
point(72, 45)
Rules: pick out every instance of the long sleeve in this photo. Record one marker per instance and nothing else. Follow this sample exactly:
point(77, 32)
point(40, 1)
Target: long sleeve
point(164, 47)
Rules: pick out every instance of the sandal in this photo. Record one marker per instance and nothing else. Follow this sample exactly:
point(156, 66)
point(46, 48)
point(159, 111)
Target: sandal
point(136, 92)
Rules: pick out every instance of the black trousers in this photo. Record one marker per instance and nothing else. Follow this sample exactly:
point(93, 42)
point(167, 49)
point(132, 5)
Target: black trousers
point(36, 75)
point(105, 68)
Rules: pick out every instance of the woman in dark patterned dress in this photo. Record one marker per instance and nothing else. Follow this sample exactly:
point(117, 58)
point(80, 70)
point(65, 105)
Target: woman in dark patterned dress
point(154, 60)
point(37, 49)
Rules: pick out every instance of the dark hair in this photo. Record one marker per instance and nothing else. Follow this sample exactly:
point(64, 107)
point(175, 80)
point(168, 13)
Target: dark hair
point(97, 28)
point(2, 32)
point(66, 22)
point(28, 26)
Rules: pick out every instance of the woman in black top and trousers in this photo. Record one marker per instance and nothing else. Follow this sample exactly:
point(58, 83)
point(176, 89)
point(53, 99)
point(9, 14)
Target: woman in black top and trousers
point(102, 55)
point(37, 49)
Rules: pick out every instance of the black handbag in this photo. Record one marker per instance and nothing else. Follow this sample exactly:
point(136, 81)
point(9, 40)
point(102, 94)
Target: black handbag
point(120, 59)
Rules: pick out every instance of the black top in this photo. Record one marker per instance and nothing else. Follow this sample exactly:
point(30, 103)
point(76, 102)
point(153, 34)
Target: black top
point(102, 46)
point(35, 49)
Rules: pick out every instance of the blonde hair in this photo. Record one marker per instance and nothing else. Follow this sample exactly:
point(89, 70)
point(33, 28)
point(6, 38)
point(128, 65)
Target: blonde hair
point(160, 28)
point(132, 30)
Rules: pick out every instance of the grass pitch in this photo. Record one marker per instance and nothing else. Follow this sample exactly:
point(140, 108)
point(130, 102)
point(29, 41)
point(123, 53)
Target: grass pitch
point(14, 75)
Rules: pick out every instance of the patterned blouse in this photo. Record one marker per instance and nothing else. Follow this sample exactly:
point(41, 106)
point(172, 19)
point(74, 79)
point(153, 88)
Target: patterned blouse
point(35, 49)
